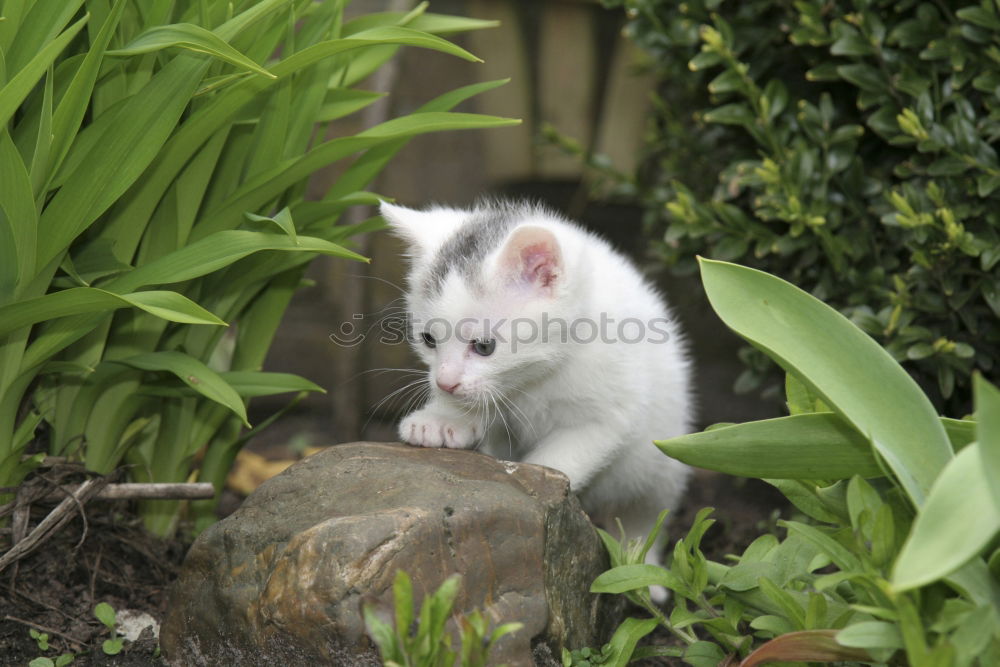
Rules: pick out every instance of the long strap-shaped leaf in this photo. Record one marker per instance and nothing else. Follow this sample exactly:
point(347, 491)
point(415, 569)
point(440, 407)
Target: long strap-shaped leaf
point(145, 121)
point(22, 82)
point(808, 446)
point(194, 374)
point(78, 300)
point(228, 103)
point(185, 263)
point(849, 370)
point(191, 37)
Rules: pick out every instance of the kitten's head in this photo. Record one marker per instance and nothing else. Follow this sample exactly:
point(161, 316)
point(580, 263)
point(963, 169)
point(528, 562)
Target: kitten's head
point(483, 287)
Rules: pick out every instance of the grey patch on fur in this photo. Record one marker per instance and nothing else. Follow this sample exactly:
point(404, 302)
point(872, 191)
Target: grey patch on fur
point(483, 231)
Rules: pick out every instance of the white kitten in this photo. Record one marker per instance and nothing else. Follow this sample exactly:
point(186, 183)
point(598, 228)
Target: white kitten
point(546, 346)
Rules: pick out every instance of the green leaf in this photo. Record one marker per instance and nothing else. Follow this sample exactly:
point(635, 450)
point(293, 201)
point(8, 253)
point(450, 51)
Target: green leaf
point(623, 642)
point(402, 599)
point(979, 16)
point(191, 37)
point(634, 577)
point(167, 305)
point(805, 495)
point(730, 114)
point(219, 250)
point(837, 552)
point(142, 124)
point(870, 634)
point(805, 446)
point(988, 430)
point(262, 383)
point(18, 87)
point(345, 101)
point(960, 431)
point(193, 373)
point(283, 219)
point(426, 22)
point(105, 613)
point(799, 399)
point(851, 372)
point(73, 106)
point(704, 654)
point(18, 220)
point(112, 646)
point(864, 77)
point(940, 541)
point(383, 635)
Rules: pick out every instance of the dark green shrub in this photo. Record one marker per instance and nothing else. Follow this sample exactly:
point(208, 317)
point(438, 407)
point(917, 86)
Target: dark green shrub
point(845, 147)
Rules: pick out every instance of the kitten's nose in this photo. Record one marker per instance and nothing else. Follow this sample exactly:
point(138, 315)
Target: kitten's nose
point(445, 386)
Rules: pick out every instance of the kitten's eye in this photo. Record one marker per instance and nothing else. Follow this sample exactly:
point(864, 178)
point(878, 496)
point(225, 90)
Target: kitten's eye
point(429, 340)
point(484, 348)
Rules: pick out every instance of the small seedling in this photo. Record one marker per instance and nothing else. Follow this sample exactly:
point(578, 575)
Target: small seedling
point(41, 638)
point(429, 644)
point(105, 613)
point(61, 661)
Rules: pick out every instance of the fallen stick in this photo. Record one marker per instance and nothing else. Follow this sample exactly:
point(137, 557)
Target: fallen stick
point(132, 491)
point(152, 491)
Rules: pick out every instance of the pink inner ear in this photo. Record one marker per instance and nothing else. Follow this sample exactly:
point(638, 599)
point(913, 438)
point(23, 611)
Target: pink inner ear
point(538, 264)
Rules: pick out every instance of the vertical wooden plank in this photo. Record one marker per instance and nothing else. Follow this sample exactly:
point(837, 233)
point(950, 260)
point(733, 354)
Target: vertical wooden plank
point(567, 55)
point(509, 154)
point(625, 108)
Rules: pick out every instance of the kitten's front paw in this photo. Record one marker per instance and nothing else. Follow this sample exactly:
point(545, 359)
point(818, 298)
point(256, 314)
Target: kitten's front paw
point(428, 429)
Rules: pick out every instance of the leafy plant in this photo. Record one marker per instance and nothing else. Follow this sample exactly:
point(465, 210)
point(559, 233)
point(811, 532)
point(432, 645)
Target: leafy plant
point(105, 613)
point(153, 164)
point(846, 147)
point(41, 638)
point(429, 643)
point(896, 560)
point(61, 661)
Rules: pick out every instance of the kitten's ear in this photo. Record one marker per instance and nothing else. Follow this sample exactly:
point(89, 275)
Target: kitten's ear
point(423, 231)
point(531, 257)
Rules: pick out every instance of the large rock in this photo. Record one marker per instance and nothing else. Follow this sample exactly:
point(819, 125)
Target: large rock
point(281, 581)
